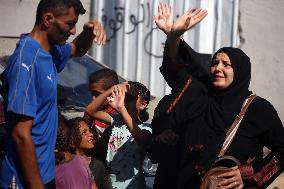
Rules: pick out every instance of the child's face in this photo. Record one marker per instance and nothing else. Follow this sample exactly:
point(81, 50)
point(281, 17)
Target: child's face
point(135, 104)
point(87, 137)
point(96, 89)
point(131, 102)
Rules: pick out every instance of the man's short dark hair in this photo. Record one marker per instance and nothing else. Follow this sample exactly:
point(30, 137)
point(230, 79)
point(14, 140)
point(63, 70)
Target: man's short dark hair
point(106, 76)
point(58, 7)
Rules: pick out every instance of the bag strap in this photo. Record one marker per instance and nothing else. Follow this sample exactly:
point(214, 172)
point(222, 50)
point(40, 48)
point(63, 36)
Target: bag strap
point(235, 125)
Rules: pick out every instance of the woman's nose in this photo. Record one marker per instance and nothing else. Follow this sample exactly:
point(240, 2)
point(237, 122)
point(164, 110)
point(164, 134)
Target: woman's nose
point(219, 66)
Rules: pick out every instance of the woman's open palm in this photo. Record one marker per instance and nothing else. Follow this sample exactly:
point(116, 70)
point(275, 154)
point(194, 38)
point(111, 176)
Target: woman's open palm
point(188, 20)
point(164, 19)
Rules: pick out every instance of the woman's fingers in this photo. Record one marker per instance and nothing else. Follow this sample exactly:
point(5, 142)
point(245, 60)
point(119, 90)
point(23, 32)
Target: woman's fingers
point(226, 181)
point(166, 8)
point(231, 172)
point(231, 179)
point(202, 15)
point(232, 185)
point(159, 10)
point(170, 10)
point(196, 11)
point(163, 8)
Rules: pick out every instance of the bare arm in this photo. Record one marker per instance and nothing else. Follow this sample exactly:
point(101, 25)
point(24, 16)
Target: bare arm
point(93, 31)
point(142, 137)
point(93, 109)
point(22, 138)
point(139, 135)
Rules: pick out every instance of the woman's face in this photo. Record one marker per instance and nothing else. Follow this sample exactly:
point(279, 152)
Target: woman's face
point(87, 137)
point(222, 71)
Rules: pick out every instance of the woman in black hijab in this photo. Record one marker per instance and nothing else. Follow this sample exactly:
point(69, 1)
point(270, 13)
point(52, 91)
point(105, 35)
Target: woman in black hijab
point(191, 123)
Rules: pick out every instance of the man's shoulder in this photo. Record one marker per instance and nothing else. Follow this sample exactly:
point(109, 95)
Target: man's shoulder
point(26, 48)
point(28, 42)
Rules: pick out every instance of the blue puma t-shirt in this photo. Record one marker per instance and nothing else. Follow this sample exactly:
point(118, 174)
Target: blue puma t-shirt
point(31, 90)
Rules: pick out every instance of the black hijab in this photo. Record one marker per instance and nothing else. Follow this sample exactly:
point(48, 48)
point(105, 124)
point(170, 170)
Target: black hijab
point(203, 114)
point(225, 104)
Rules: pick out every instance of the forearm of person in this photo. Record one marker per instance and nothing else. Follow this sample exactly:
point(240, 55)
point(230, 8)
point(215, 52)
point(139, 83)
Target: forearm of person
point(82, 43)
point(173, 43)
point(170, 54)
point(96, 104)
point(261, 173)
point(170, 68)
point(22, 138)
point(140, 136)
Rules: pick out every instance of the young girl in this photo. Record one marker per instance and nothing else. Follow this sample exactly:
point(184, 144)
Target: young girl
point(72, 169)
point(129, 133)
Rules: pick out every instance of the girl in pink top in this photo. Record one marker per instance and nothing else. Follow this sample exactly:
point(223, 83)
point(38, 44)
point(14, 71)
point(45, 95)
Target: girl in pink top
point(73, 141)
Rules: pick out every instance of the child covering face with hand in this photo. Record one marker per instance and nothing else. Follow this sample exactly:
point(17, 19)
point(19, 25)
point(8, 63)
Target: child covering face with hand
point(129, 135)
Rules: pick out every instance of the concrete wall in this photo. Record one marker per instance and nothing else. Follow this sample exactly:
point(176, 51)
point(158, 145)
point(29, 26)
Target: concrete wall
point(262, 27)
point(262, 39)
point(18, 16)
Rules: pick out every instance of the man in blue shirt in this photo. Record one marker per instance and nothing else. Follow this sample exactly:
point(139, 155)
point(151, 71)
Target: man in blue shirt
point(31, 91)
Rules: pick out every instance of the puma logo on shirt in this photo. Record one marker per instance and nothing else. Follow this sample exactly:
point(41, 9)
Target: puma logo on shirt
point(27, 67)
point(49, 77)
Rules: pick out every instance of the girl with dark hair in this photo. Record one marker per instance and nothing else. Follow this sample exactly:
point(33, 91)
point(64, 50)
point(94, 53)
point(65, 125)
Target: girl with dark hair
point(129, 134)
point(73, 141)
point(193, 123)
point(63, 141)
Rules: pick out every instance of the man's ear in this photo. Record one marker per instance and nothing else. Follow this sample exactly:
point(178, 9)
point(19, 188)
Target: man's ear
point(47, 19)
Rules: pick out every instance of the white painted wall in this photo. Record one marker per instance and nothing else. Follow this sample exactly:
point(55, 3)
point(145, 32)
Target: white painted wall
point(263, 32)
point(18, 16)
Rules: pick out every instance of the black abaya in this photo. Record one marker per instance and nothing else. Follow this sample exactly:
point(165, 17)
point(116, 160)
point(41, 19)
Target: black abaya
point(201, 118)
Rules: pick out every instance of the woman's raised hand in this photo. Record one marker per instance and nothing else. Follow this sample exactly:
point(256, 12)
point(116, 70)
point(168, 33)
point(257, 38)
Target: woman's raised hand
point(188, 20)
point(164, 19)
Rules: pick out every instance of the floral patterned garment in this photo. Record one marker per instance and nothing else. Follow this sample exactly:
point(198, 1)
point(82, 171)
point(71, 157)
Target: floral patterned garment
point(125, 156)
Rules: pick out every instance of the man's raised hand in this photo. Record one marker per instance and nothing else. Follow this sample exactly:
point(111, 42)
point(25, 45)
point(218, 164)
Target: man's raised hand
point(98, 31)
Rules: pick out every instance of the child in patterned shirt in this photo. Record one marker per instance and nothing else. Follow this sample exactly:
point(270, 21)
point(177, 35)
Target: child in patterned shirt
point(129, 134)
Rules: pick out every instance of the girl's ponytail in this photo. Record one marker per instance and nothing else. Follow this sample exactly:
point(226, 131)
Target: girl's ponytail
point(144, 115)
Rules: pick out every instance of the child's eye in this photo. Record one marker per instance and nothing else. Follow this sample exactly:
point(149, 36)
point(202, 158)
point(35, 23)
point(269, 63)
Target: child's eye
point(96, 93)
point(84, 132)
